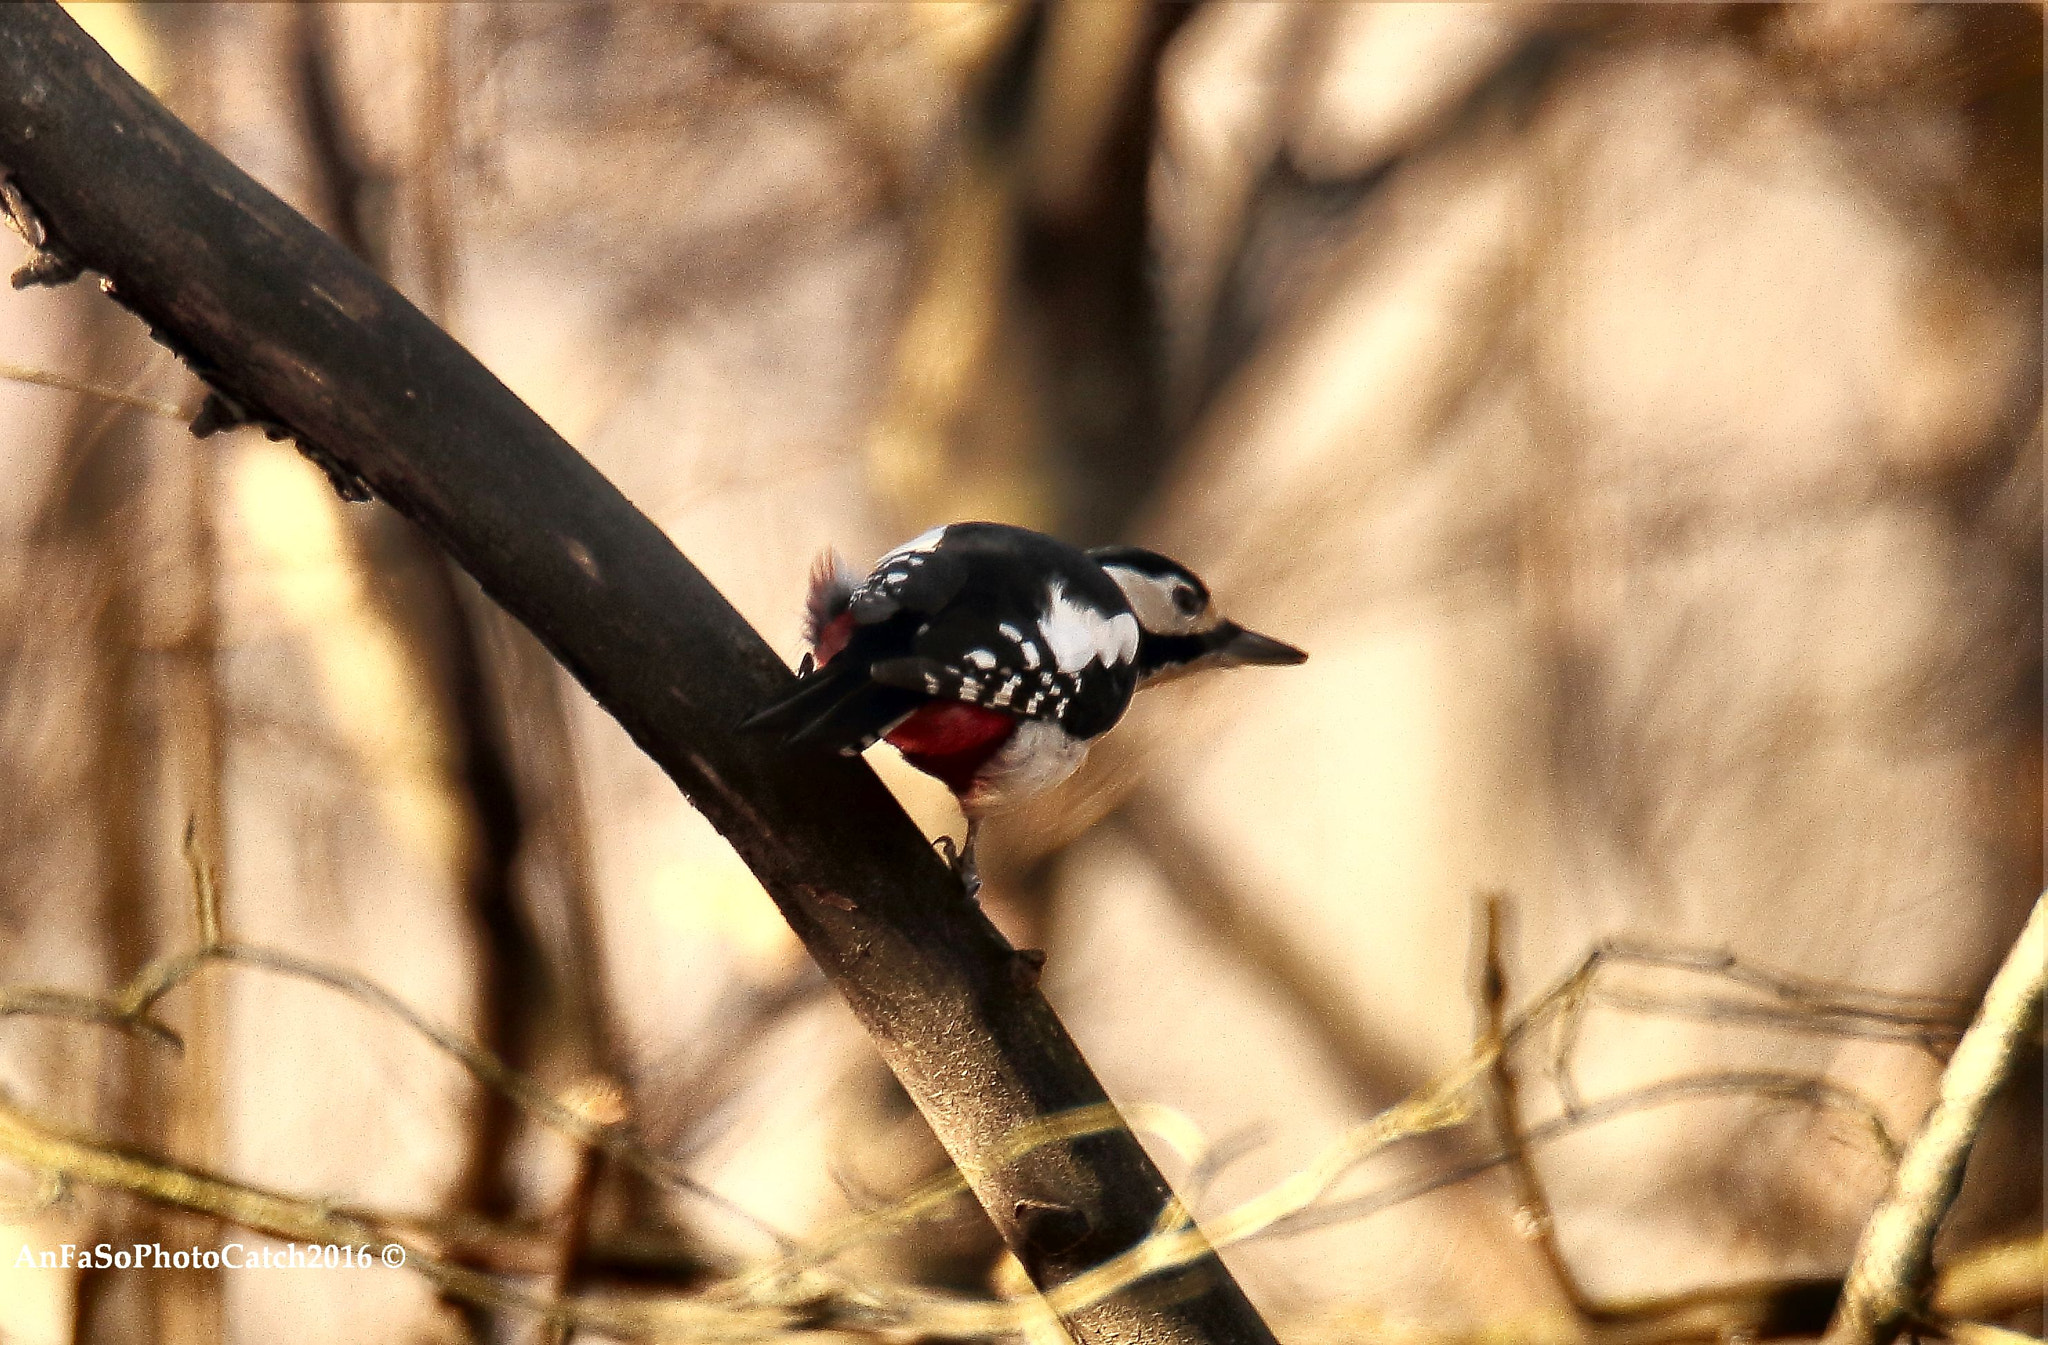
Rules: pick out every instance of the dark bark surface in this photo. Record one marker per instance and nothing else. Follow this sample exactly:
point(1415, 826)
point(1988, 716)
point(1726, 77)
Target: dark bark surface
point(293, 332)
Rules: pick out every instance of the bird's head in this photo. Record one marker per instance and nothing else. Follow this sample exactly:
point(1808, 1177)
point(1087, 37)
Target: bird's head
point(1180, 629)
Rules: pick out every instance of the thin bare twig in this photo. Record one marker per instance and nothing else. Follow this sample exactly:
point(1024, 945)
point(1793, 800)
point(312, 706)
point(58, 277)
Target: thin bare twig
point(1770, 1084)
point(42, 378)
point(795, 1284)
point(39, 1002)
point(162, 977)
point(1534, 1218)
point(1992, 1281)
point(48, 1149)
point(128, 1009)
point(205, 896)
point(1889, 1272)
point(1795, 1003)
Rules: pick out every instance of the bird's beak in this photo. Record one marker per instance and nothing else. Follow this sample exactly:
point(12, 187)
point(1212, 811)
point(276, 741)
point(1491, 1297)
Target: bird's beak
point(1240, 646)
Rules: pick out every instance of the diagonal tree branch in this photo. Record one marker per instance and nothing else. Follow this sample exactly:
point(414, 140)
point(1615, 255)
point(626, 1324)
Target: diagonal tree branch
point(294, 333)
point(1889, 1274)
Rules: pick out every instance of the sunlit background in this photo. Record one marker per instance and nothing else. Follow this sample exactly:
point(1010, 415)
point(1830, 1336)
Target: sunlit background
point(1635, 411)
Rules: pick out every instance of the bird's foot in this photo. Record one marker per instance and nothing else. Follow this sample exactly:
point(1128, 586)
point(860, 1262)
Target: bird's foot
point(960, 859)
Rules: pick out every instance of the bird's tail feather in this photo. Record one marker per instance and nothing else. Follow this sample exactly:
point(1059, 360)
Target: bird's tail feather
point(815, 692)
point(836, 708)
point(850, 724)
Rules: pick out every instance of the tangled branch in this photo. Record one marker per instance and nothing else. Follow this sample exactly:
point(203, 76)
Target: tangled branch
point(797, 1290)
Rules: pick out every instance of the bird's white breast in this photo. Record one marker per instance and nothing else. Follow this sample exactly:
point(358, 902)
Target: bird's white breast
point(1038, 756)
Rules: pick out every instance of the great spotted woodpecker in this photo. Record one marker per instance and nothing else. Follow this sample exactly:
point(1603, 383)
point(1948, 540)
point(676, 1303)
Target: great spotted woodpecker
point(991, 657)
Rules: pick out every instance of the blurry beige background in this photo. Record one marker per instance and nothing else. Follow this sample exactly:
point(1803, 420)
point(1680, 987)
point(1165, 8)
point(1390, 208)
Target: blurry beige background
point(1635, 411)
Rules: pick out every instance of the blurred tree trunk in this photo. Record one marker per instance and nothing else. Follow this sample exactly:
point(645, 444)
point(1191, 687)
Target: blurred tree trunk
point(543, 1001)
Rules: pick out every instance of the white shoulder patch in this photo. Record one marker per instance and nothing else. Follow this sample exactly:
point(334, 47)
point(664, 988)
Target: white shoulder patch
point(1078, 635)
point(924, 541)
point(892, 573)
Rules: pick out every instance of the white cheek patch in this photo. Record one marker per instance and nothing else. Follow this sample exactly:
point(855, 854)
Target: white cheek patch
point(1078, 634)
point(1151, 598)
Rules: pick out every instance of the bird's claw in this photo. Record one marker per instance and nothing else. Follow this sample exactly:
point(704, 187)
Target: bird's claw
point(961, 862)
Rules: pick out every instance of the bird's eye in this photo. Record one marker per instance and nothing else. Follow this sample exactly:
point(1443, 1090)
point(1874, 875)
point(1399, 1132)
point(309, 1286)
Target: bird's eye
point(1186, 599)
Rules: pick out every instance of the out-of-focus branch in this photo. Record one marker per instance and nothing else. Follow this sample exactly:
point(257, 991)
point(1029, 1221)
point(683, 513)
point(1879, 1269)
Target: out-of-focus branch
point(1370, 1066)
point(292, 331)
point(535, 989)
point(587, 1127)
point(796, 1290)
point(1785, 1003)
point(340, 180)
point(1534, 1218)
point(1890, 1269)
point(602, 1103)
point(820, 83)
point(1994, 1281)
point(1022, 385)
point(1985, 1282)
point(48, 1148)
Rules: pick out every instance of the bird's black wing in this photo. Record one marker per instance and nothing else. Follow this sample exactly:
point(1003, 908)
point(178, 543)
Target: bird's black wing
point(909, 579)
point(1044, 694)
point(985, 657)
point(964, 613)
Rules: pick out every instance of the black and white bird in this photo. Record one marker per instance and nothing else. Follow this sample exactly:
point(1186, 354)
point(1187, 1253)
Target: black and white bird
point(992, 657)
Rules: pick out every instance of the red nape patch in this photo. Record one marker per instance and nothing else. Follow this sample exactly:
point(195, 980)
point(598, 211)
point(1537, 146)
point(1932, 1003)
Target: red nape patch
point(833, 638)
point(952, 740)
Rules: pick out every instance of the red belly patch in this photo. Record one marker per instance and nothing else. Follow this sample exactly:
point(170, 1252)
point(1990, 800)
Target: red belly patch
point(952, 739)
